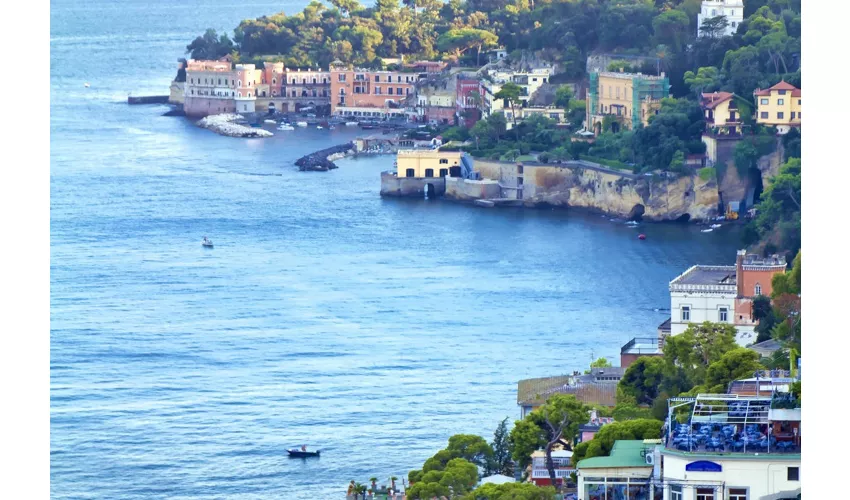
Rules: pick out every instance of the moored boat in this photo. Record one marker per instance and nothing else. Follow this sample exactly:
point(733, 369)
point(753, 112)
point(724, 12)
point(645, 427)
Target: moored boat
point(206, 242)
point(301, 124)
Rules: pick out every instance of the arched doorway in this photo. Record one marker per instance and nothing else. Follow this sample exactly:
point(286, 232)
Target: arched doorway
point(429, 191)
point(597, 128)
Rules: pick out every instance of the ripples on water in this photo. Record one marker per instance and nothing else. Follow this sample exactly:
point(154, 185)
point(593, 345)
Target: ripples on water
point(373, 329)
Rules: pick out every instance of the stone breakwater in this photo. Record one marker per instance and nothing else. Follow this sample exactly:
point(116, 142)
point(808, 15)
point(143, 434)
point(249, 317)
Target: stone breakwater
point(224, 124)
point(323, 160)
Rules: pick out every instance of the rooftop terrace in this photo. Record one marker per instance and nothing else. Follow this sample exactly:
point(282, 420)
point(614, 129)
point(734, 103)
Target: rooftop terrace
point(707, 278)
point(733, 424)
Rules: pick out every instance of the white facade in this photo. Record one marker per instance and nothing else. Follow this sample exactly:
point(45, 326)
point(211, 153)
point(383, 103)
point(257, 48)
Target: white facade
point(740, 478)
point(732, 9)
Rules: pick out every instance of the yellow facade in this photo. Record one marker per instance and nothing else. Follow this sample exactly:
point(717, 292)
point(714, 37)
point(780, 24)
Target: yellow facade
point(779, 106)
point(426, 163)
point(614, 95)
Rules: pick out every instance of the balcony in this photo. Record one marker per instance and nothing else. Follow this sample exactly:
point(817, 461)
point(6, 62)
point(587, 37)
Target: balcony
point(544, 474)
point(641, 346)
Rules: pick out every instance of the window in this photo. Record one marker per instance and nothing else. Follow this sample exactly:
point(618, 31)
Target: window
point(399, 80)
point(780, 102)
point(444, 172)
point(192, 80)
point(377, 78)
point(780, 115)
point(781, 92)
point(799, 102)
point(519, 181)
point(429, 172)
point(686, 313)
point(675, 492)
point(724, 315)
point(793, 473)
point(398, 91)
point(377, 90)
point(763, 114)
point(219, 81)
point(444, 161)
point(758, 289)
point(737, 494)
point(793, 115)
point(410, 172)
point(390, 90)
point(519, 169)
point(304, 81)
point(274, 81)
point(705, 493)
point(764, 101)
point(314, 80)
point(341, 78)
point(733, 24)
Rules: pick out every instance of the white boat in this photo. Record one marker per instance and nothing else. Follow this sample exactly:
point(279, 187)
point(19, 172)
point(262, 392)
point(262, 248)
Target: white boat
point(301, 124)
point(86, 84)
point(350, 124)
point(715, 226)
point(632, 223)
point(206, 242)
point(331, 127)
point(706, 230)
point(286, 126)
point(270, 121)
point(319, 127)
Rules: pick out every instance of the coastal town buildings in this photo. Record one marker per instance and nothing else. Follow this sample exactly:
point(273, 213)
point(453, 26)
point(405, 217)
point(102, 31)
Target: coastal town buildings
point(624, 474)
point(365, 92)
point(561, 459)
point(528, 81)
point(427, 163)
point(599, 387)
point(626, 100)
point(587, 431)
point(469, 101)
point(779, 106)
point(723, 113)
point(210, 88)
point(423, 172)
point(732, 10)
point(723, 294)
point(248, 78)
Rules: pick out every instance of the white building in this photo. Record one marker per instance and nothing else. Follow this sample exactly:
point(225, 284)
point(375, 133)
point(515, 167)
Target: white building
point(730, 447)
point(732, 9)
point(723, 294)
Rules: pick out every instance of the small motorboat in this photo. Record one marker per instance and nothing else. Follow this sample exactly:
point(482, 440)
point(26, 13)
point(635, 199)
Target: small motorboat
point(301, 124)
point(641, 236)
point(706, 230)
point(632, 223)
point(715, 226)
point(302, 453)
point(206, 242)
point(319, 127)
point(350, 124)
point(331, 127)
point(286, 126)
point(270, 121)
point(86, 85)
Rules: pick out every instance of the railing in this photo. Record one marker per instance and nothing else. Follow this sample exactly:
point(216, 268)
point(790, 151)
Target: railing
point(652, 341)
point(544, 474)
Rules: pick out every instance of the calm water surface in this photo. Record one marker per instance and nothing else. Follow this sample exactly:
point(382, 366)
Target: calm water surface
point(373, 329)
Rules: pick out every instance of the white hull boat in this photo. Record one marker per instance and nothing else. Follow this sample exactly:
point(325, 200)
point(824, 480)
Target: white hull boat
point(270, 121)
point(286, 126)
point(350, 124)
point(706, 230)
point(301, 124)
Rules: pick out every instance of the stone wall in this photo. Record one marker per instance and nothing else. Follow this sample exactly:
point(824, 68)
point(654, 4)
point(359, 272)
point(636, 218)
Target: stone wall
point(469, 190)
point(411, 187)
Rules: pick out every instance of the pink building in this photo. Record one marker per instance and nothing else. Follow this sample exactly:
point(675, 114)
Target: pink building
point(468, 105)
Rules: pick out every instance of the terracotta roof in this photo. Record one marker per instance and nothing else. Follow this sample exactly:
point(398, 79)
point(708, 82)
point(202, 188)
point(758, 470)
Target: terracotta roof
point(710, 101)
point(783, 85)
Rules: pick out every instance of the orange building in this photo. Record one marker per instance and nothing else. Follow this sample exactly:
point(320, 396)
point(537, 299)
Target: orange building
point(370, 93)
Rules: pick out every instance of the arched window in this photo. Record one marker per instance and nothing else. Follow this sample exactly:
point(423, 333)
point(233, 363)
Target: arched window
point(324, 80)
point(240, 94)
point(304, 81)
point(758, 289)
point(341, 91)
point(274, 81)
point(264, 93)
point(293, 93)
point(314, 80)
point(239, 83)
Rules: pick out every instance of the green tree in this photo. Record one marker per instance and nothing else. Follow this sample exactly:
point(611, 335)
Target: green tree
point(642, 381)
point(459, 41)
point(210, 46)
point(501, 459)
point(733, 365)
point(705, 79)
point(510, 92)
point(603, 441)
point(689, 354)
point(671, 29)
point(512, 491)
point(714, 27)
point(562, 97)
point(556, 421)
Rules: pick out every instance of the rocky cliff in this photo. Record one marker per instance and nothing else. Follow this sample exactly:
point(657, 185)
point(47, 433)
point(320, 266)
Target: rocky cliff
point(655, 198)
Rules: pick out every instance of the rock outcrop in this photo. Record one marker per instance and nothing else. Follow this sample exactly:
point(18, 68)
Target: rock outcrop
point(323, 160)
point(224, 124)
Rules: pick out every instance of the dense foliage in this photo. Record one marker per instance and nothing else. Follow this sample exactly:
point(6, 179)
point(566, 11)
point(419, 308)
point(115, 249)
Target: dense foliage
point(512, 491)
point(603, 441)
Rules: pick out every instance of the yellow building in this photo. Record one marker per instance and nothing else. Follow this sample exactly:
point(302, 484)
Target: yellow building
point(723, 113)
point(779, 106)
point(426, 163)
point(631, 98)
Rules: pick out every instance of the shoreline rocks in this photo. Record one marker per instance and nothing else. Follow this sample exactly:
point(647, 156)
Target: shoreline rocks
point(224, 124)
point(323, 160)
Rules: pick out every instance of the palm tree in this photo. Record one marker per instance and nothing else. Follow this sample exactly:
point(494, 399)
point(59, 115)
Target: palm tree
point(392, 482)
point(374, 481)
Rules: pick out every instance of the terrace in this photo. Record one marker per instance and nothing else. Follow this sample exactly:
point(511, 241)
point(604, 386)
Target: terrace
point(734, 424)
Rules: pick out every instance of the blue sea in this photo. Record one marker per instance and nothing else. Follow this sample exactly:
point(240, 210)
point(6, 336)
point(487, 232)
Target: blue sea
point(370, 328)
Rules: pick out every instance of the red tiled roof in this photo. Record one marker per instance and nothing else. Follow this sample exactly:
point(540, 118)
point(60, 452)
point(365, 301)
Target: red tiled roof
point(710, 101)
point(783, 85)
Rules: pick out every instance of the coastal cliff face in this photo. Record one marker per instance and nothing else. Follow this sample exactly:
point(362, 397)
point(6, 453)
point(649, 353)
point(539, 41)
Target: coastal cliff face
point(654, 198)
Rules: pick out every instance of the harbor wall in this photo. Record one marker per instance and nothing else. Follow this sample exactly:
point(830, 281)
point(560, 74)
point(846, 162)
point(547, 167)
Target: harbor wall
point(411, 187)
